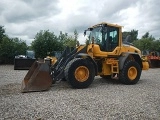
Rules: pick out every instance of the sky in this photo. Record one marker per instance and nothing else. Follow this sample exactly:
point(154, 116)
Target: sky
point(25, 18)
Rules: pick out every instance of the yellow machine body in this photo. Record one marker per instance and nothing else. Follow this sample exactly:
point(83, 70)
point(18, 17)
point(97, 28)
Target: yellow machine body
point(105, 55)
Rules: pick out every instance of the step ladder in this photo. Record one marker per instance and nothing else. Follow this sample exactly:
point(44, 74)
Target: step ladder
point(114, 68)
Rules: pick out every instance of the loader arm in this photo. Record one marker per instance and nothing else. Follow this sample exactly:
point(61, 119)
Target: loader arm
point(58, 68)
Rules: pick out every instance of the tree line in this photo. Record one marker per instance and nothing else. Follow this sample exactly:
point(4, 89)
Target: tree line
point(146, 42)
point(46, 42)
point(9, 47)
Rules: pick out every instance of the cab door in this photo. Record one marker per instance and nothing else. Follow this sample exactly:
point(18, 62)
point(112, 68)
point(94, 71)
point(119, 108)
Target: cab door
point(111, 38)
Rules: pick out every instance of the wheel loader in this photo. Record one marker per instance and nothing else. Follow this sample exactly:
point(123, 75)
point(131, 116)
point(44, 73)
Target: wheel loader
point(104, 55)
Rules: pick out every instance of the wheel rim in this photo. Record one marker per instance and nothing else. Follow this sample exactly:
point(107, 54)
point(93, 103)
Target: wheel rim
point(81, 73)
point(132, 73)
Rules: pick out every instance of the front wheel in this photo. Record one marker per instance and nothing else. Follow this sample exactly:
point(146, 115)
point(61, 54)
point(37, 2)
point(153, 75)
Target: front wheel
point(131, 72)
point(79, 73)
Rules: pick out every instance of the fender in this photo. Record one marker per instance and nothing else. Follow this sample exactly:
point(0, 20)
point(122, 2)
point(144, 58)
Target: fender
point(86, 56)
point(125, 55)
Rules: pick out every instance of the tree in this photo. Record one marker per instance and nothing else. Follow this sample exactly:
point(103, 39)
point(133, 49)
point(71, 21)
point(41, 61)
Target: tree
point(155, 46)
point(2, 33)
point(133, 33)
point(20, 46)
point(147, 42)
point(147, 35)
point(45, 43)
point(125, 34)
point(143, 44)
point(62, 38)
point(68, 40)
point(6, 50)
point(10, 47)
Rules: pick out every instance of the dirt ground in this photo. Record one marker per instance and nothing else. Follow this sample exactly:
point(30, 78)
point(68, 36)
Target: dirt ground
point(104, 99)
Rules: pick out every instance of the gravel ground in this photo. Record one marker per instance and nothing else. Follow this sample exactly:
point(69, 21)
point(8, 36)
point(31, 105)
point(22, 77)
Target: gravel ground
point(104, 99)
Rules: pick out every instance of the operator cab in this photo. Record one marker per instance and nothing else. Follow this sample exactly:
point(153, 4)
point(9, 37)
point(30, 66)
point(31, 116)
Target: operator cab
point(107, 37)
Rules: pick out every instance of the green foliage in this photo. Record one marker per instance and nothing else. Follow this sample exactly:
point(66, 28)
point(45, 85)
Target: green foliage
point(125, 34)
point(20, 46)
point(67, 40)
point(133, 33)
point(143, 44)
point(2, 33)
point(10, 47)
point(155, 46)
point(70, 42)
point(147, 42)
point(45, 43)
point(146, 35)
point(62, 38)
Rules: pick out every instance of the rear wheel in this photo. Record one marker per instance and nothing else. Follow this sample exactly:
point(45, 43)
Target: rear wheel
point(131, 72)
point(79, 73)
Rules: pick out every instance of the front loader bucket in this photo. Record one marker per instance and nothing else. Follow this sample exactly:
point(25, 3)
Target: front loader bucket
point(38, 78)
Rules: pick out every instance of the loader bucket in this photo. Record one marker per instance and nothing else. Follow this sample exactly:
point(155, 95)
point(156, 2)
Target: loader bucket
point(38, 78)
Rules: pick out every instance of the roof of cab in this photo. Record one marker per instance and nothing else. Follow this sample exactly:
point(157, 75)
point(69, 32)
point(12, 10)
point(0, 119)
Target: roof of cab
point(102, 23)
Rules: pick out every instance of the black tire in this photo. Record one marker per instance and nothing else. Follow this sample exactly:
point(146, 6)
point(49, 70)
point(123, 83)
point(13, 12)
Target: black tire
point(63, 79)
point(105, 76)
point(134, 75)
point(70, 72)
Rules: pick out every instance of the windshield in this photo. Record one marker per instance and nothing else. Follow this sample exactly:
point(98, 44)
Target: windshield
point(96, 34)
